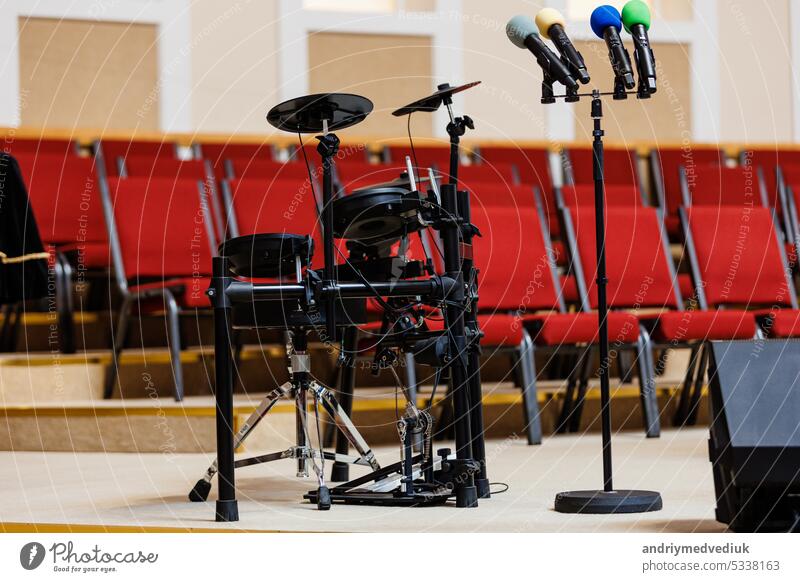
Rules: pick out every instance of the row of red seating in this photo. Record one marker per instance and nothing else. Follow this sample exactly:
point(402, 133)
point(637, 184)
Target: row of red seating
point(150, 209)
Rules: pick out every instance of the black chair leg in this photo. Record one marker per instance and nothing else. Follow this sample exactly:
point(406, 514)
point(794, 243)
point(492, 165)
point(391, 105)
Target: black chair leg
point(530, 400)
point(682, 408)
point(64, 304)
point(647, 387)
point(583, 385)
point(118, 344)
point(175, 343)
point(694, 404)
point(567, 407)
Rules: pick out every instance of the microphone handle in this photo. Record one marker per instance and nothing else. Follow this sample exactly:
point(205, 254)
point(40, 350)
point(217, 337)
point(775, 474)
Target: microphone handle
point(559, 37)
point(645, 60)
point(548, 60)
point(620, 59)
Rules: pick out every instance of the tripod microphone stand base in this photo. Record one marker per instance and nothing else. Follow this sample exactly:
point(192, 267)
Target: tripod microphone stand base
point(608, 502)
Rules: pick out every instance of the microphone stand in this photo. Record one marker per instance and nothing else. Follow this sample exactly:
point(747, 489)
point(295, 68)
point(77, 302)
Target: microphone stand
point(608, 500)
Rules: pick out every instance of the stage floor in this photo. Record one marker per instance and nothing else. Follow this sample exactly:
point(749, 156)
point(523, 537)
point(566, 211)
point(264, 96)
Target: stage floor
point(131, 492)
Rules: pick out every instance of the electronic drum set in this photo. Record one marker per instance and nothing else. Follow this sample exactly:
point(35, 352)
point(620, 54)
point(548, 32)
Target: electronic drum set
point(376, 224)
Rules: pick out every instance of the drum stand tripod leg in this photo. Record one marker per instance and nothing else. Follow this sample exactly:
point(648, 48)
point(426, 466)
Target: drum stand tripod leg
point(344, 424)
point(203, 487)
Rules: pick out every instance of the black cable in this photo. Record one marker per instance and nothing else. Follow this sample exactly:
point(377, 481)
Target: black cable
point(411, 143)
point(502, 490)
point(310, 174)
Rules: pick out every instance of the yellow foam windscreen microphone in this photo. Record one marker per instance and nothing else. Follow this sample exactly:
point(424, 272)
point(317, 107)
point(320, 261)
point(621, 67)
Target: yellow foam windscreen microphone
point(551, 24)
point(546, 18)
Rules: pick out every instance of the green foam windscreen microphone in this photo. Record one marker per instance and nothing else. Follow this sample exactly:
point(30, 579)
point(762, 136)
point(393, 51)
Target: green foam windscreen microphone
point(636, 20)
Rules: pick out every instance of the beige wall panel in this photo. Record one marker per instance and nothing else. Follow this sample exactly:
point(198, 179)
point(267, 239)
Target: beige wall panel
point(755, 71)
point(80, 74)
point(234, 65)
point(506, 104)
point(676, 9)
point(390, 70)
point(665, 117)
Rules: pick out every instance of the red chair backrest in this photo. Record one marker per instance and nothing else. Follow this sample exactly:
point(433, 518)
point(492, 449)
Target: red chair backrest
point(65, 197)
point(669, 162)
point(497, 172)
point(621, 166)
point(50, 147)
point(738, 256)
point(507, 195)
point(581, 195)
point(768, 161)
point(426, 156)
point(162, 226)
point(265, 170)
point(532, 164)
point(712, 185)
point(217, 153)
point(639, 274)
point(113, 149)
point(354, 175)
point(145, 167)
point(516, 270)
point(280, 206)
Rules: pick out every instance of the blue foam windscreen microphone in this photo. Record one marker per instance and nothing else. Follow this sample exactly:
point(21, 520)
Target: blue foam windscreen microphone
point(606, 23)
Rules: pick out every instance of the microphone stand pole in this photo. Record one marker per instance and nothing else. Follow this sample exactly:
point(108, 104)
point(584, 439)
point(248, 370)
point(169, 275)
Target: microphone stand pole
point(608, 500)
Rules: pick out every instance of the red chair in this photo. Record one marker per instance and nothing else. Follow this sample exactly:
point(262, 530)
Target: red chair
point(497, 173)
point(621, 166)
point(110, 150)
point(582, 195)
point(712, 185)
point(665, 170)
point(520, 305)
point(236, 169)
point(767, 161)
point(280, 206)
point(533, 168)
point(217, 153)
point(641, 276)
point(66, 201)
point(44, 146)
point(197, 170)
point(162, 243)
point(427, 156)
point(737, 260)
point(355, 175)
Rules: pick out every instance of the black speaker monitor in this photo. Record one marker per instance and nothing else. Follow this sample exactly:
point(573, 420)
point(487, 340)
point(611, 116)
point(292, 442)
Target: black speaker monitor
point(755, 433)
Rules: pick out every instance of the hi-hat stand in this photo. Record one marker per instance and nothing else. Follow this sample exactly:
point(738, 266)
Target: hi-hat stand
point(608, 500)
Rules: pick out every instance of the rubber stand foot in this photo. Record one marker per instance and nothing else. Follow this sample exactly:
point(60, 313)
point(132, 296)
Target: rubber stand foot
point(484, 490)
point(608, 502)
point(323, 498)
point(200, 491)
point(467, 496)
point(340, 472)
point(228, 510)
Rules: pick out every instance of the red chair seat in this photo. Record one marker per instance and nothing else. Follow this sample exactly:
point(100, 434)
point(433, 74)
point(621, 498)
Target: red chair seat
point(784, 323)
point(705, 325)
point(189, 292)
point(92, 255)
point(581, 328)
